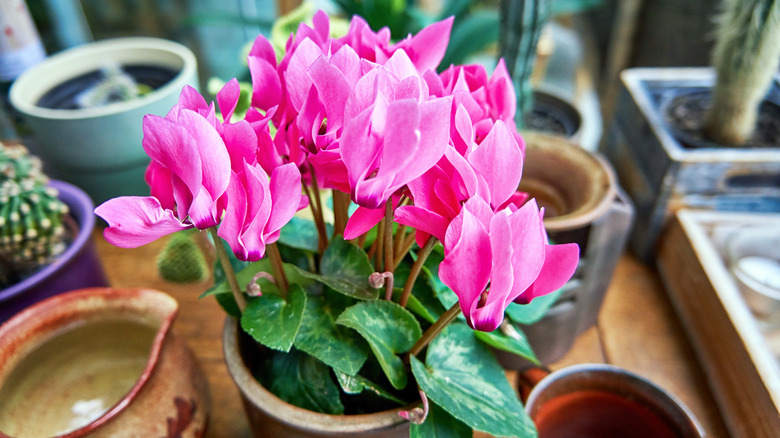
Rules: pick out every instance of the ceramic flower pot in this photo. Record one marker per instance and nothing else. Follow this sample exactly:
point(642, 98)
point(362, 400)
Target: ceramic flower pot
point(271, 417)
point(583, 204)
point(101, 363)
point(99, 148)
point(78, 267)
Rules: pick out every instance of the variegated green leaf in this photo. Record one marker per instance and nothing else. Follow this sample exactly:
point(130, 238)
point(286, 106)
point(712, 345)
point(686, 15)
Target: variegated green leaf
point(390, 331)
point(440, 424)
point(274, 322)
point(357, 384)
point(508, 338)
point(462, 376)
point(303, 381)
point(320, 336)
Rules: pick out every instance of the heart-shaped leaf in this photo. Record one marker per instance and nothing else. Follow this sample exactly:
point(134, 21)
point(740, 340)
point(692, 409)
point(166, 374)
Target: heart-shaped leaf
point(302, 234)
point(274, 322)
point(462, 376)
point(320, 336)
point(357, 384)
point(440, 424)
point(303, 381)
point(508, 338)
point(389, 329)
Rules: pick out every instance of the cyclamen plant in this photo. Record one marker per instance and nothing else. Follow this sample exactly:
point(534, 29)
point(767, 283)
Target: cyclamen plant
point(422, 170)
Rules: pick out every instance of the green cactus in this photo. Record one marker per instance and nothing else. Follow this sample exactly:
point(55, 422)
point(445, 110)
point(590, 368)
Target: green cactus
point(32, 231)
point(181, 261)
point(745, 57)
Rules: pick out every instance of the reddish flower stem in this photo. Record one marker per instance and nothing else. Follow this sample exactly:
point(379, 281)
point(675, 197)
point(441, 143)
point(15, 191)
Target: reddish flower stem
point(422, 255)
point(278, 268)
point(435, 329)
point(222, 256)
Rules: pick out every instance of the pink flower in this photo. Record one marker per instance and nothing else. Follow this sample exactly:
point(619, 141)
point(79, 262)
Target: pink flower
point(188, 175)
point(258, 208)
point(492, 259)
point(390, 136)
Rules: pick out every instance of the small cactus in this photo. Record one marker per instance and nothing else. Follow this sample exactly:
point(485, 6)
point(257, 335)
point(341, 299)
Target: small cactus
point(32, 231)
point(181, 261)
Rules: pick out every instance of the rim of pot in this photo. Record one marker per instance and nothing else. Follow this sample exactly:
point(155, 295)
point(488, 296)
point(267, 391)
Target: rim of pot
point(43, 321)
point(81, 207)
point(31, 85)
point(291, 414)
point(613, 379)
point(596, 174)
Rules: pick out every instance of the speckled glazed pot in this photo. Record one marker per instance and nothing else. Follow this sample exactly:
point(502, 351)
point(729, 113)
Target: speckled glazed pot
point(100, 362)
point(271, 417)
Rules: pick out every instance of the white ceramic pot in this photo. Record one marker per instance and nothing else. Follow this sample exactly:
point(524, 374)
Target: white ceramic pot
point(99, 148)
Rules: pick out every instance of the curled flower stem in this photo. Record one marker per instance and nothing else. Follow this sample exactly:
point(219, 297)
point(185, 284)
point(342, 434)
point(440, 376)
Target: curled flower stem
point(379, 279)
point(435, 329)
point(278, 268)
point(422, 255)
point(222, 256)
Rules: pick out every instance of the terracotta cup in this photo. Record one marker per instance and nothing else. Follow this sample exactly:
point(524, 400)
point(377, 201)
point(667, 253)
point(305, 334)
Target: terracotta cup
point(101, 363)
point(603, 401)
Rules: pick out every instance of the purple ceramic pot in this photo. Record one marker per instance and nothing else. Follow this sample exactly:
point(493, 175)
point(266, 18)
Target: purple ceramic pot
point(78, 267)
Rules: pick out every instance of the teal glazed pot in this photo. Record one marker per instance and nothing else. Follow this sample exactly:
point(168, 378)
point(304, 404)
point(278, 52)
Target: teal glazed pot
point(99, 148)
point(100, 362)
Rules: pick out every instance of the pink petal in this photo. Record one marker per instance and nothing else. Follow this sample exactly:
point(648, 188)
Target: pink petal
point(499, 161)
point(528, 246)
point(173, 147)
point(333, 89)
point(362, 220)
point(296, 76)
point(227, 99)
point(501, 94)
point(232, 225)
point(189, 98)
point(266, 85)
point(241, 143)
point(427, 48)
point(285, 188)
point(212, 152)
point(560, 262)
point(422, 220)
point(134, 221)
point(467, 263)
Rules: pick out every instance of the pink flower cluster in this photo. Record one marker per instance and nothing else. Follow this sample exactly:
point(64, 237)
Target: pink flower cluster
point(367, 117)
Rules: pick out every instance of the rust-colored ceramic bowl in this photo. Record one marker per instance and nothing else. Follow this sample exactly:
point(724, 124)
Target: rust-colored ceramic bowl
point(100, 362)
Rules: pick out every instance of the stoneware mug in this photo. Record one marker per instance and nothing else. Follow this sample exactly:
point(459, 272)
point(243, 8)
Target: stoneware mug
point(603, 401)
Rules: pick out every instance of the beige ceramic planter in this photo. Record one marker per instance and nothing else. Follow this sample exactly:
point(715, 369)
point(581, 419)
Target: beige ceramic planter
point(101, 363)
point(271, 417)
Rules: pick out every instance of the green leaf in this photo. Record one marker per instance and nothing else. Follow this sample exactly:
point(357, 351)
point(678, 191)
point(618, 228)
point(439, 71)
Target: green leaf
point(463, 377)
point(472, 34)
point(302, 233)
point(228, 304)
point(508, 338)
point(444, 294)
point(440, 424)
point(357, 384)
point(536, 309)
point(274, 322)
point(389, 329)
point(294, 274)
point(320, 336)
point(344, 268)
point(422, 301)
point(303, 381)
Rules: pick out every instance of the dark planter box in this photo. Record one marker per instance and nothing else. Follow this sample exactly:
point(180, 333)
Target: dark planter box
point(661, 175)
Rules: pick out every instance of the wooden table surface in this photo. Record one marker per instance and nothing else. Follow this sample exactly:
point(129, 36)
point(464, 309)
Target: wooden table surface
point(637, 329)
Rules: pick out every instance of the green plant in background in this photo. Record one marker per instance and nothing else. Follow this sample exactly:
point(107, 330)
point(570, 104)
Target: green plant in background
point(32, 231)
point(745, 57)
point(182, 261)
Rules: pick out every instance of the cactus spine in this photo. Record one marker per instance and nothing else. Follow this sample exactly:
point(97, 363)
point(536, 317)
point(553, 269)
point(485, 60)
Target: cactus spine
point(32, 231)
point(746, 56)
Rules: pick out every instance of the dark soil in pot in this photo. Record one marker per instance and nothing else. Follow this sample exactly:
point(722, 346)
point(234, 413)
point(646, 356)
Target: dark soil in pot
point(684, 114)
point(552, 115)
point(66, 94)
